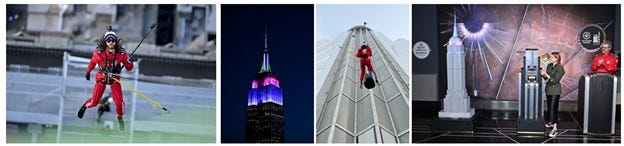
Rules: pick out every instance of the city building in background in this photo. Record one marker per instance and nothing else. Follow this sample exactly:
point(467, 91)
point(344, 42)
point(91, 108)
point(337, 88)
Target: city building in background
point(186, 29)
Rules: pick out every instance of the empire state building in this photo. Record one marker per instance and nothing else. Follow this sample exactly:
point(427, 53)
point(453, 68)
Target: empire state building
point(265, 110)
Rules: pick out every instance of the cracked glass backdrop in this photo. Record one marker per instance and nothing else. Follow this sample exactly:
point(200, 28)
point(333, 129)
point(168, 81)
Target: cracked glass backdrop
point(494, 36)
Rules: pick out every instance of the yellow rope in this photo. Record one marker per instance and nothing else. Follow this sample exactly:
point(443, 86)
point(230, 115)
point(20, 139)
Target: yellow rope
point(350, 52)
point(140, 94)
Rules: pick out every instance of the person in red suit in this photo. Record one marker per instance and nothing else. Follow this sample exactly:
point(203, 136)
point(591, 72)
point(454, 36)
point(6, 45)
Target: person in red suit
point(110, 57)
point(365, 53)
point(605, 62)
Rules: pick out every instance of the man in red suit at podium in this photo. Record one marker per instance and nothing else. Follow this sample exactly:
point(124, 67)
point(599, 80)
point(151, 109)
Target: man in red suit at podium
point(605, 62)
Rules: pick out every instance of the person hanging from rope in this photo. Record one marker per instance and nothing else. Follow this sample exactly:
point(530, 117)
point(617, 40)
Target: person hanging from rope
point(365, 53)
point(109, 56)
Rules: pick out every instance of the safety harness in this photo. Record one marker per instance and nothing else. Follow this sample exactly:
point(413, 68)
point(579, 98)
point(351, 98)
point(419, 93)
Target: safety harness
point(109, 71)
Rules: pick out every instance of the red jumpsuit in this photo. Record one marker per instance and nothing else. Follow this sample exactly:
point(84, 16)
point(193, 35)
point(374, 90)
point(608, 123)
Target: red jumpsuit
point(365, 54)
point(107, 60)
point(609, 64)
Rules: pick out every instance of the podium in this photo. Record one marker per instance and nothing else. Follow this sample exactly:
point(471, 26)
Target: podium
point(596, 103)
point(531, 101)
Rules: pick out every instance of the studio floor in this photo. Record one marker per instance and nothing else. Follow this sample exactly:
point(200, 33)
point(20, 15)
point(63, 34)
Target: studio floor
point(500, 127)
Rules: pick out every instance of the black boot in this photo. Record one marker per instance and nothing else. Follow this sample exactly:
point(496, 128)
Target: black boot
point(122, 125)
point(81, 112)
point(100, 113)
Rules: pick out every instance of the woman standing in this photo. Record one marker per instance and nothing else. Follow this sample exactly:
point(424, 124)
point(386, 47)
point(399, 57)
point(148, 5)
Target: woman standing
point(552, 75)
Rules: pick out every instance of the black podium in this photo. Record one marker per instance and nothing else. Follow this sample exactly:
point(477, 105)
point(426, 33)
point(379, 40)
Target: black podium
point(596, 103)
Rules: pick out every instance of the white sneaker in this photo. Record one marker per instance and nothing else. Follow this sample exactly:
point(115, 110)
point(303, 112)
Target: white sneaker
point(548, 125)
point(553, 132)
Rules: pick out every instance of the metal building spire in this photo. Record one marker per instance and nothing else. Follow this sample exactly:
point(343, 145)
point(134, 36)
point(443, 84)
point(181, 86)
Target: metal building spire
point(266, 67)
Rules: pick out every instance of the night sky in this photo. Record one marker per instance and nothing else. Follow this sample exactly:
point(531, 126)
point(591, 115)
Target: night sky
point(290, 43)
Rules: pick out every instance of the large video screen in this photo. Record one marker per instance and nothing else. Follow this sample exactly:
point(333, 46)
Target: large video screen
point(495, 36)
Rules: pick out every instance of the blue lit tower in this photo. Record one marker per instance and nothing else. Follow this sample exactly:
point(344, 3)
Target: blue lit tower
point(265, 110)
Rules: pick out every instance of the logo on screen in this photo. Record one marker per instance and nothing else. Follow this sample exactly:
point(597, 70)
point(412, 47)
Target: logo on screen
point(421, 50)
point(591, 36)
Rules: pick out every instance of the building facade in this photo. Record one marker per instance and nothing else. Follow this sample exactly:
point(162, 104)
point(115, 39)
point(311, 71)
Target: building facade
point(265, 110)
point(349, 114)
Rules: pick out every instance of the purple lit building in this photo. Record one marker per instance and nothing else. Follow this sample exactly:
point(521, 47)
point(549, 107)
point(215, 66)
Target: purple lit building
point(265, 110)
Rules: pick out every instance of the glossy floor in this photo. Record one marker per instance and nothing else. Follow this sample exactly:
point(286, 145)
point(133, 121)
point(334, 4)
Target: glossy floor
point(500, 127)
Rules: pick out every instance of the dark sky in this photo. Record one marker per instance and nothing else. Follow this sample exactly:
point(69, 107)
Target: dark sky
point(291, 34)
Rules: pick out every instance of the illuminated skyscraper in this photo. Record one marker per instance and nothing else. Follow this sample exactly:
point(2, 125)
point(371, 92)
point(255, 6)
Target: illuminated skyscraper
point(265, 110)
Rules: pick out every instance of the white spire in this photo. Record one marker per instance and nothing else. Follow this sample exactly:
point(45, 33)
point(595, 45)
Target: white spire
point(266, 67)
point(455, 40)
point(455, 25)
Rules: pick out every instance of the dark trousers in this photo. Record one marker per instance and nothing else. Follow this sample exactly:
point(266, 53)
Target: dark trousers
point(102, 109)
point(552, 102)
